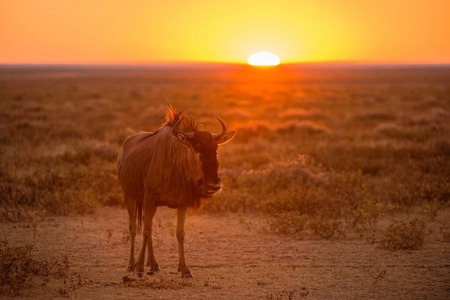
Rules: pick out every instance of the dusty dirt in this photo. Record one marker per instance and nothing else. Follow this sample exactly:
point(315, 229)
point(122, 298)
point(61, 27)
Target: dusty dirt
point(231, 256)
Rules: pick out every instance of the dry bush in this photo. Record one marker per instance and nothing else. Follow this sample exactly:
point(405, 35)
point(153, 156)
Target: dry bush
point(366, 215)
point(275, 132)
point(88, 150)
point(20, 270)
point(228, 200)
point(326, 225)
point(430, 209)
point(373, 117)
point(288, 222)
point(302, 129)
point(17, 267)
point(261, 130)
point(288, 295)
point(401, 235)
point(302, 114)
point(157, 284)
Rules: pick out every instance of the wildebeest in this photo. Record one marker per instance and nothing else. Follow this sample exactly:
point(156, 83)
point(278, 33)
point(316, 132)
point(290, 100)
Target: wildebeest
point(176, 166)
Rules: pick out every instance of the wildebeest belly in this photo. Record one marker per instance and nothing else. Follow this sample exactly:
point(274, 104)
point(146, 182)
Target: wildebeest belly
point(169, 199)
point(171, 204)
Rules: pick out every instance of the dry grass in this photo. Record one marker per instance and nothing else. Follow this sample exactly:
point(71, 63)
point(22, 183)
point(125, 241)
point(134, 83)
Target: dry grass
point(334, 148)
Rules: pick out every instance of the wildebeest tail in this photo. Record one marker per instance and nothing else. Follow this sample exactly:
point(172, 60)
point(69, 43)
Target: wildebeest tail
point(139, 217)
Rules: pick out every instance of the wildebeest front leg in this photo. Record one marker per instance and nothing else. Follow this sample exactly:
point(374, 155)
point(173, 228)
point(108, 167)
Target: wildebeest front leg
point(181, 215)
point(149, 209)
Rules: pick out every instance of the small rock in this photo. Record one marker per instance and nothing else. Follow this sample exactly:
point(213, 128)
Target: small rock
point(260, 282)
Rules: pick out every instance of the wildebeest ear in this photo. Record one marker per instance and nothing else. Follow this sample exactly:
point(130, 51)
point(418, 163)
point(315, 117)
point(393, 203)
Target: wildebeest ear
point(225, 138)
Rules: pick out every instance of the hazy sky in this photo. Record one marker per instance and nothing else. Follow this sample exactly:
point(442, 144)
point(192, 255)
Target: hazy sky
point(131, 31)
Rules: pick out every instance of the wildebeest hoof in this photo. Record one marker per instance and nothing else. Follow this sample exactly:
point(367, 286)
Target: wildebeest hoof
point(187, 275)
point(128, 279)
point(150, 265)
point(155, 269)
point(140, 274)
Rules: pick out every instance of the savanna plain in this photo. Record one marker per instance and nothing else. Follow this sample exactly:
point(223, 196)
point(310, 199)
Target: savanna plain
point(336, 185)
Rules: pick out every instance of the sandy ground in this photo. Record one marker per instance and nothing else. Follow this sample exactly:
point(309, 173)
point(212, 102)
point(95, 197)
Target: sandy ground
point(231, 256)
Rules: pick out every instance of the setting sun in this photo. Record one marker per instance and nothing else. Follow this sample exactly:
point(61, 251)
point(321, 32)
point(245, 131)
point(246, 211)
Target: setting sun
point(263, 59)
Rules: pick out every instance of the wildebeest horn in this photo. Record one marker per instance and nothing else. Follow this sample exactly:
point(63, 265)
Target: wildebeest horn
point(224, 129)
point(175, 127)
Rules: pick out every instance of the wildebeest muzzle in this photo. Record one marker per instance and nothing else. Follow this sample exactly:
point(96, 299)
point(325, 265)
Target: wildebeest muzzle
point(213, 188)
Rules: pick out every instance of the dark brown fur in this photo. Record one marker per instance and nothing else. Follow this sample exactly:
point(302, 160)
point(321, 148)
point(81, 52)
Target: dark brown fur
point(171, 167)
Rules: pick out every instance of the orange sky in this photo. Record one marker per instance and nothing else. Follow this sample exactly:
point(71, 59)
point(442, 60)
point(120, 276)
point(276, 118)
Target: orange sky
point(111, 31)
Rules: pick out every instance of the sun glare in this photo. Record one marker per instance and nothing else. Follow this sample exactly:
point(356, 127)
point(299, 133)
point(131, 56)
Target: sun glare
point(263, 59)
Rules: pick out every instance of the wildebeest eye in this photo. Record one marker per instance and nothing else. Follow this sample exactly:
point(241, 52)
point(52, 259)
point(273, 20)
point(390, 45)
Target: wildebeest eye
point(196, 147)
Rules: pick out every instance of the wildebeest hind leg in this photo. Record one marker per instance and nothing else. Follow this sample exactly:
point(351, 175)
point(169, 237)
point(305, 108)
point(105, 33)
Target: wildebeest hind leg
point(149, 208)
point(131, 207)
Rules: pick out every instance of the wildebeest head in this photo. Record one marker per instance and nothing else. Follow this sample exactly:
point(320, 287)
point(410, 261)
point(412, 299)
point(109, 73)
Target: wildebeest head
point(205, 145)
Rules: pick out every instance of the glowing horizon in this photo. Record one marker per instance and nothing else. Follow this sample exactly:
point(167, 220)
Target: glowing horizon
point(196, 31)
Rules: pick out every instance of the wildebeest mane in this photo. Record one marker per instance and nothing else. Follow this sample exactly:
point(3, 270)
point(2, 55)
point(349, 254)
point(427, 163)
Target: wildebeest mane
point(188, 124)
point(176, 169)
